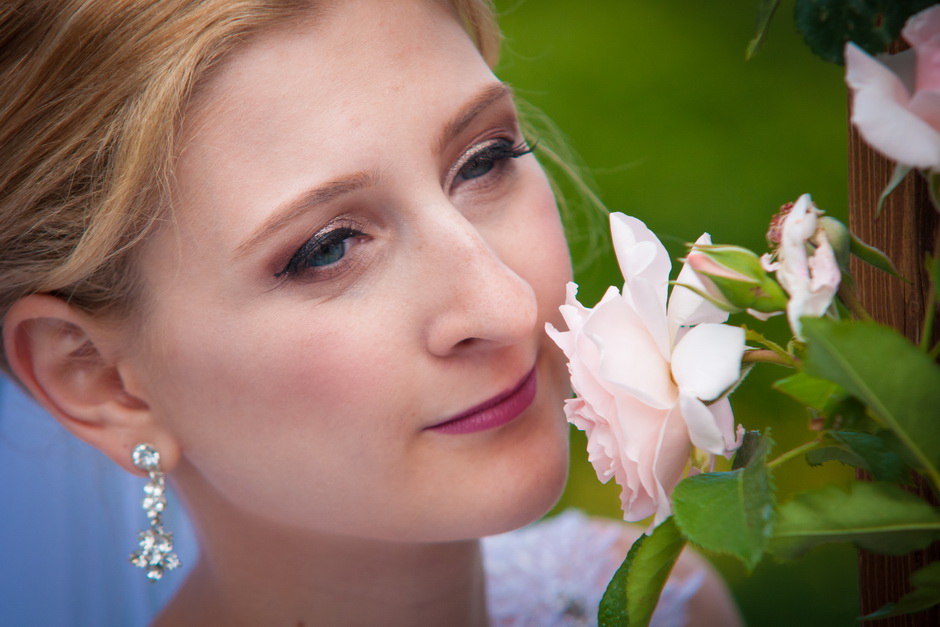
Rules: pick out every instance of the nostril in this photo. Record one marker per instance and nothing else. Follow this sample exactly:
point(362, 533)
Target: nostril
point(470, 341)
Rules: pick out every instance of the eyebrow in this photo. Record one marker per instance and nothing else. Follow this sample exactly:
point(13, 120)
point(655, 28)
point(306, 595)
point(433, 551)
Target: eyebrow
point(296, 207)
point(471, 110)
point(290, 210)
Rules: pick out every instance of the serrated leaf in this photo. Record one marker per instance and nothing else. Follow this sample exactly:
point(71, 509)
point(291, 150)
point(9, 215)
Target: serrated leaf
point(814, 392)
point(729, 512)
point(862, 450)
point(819, 456)
point(873, 257)
point(900, 173)
point(878, 458)
point(765, 13)
point(827, 25)
point(926, 594)
point(879, 517)
point(632, 594)
point(899, 384)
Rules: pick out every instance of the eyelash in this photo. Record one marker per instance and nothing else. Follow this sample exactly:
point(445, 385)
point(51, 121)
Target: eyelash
point(304, 259)
point(491, 154)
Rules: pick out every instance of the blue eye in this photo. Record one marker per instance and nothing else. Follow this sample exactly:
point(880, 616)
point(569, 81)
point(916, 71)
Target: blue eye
point(484, 160)
point(323, 249)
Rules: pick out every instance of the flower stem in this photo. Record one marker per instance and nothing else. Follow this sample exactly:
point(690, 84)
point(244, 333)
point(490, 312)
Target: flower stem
point(848, 297)
point(931, 304)
point(767, 356)
point(796, 452)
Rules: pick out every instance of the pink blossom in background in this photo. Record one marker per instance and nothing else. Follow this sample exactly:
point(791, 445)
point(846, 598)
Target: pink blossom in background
point(896, 105)
point(650, 376)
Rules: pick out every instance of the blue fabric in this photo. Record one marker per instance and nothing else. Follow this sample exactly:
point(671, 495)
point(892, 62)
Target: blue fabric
point(68, 521)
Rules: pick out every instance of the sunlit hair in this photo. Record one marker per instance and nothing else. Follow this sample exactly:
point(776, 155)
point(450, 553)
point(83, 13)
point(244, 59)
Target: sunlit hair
point(92, 97)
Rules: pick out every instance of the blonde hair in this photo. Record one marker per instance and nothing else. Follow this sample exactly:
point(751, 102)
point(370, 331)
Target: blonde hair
point(92, 98)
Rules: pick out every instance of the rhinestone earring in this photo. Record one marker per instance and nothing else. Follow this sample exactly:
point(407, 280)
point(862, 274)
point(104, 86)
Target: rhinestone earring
point(156, 544)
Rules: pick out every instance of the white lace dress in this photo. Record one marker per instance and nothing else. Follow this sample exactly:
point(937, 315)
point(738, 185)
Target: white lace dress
point(554, 573)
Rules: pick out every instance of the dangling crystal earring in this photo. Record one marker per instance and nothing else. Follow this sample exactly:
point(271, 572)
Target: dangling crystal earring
point(156, 544)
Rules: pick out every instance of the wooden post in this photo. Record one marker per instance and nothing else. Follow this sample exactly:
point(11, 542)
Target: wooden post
point(906, 230)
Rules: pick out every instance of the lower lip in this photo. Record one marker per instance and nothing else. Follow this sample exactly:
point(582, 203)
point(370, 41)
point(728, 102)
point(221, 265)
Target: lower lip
point(493, 414)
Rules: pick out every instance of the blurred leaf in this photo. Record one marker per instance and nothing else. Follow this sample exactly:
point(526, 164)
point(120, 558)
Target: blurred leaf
point(862, 450)
point(926, 594)
point(632, 594)
point(899, 384)
point(811, 391)
point(729, 512)
point(873, 257)
point(879, 517)
point(765, 13)
point(827, 25)
point(900, 173)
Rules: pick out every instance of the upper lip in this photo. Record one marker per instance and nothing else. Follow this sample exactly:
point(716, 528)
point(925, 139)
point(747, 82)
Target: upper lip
point(491, 402)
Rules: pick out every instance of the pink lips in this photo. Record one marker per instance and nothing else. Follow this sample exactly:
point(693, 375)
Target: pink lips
point(496, 412)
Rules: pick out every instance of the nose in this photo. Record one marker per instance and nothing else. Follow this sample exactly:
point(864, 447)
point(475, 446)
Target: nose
point(477, 300)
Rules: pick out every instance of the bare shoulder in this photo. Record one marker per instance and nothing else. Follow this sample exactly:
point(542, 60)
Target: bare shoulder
point(712, 605)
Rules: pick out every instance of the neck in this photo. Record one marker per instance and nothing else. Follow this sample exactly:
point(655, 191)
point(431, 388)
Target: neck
point(253, 572)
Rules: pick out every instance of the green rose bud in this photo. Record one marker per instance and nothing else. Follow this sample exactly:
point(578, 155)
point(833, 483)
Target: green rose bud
point(735, 280)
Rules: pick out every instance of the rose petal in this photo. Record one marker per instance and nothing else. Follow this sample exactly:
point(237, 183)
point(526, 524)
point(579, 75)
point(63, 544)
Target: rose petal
point(703, 431)
point(629, 358)
point(686, 308)
point(922, 31)
point(707, 362)
point(880, 112)
point(640, 253)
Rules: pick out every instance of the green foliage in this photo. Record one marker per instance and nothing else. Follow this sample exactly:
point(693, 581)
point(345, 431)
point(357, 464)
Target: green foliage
point(873, 257)
point(898, 383)
point(900, 173)
point(814, 392)
point(926, 594)
point(827, 25)
point(632, 594)
point(729, 512)
point(879, 517)
point(862, 450)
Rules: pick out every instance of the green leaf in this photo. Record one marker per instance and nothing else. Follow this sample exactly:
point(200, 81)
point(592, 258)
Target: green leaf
point(765, 13)
point(632, 594)
point(899, 384)
point(926, 594)
point(879, 517)
point(873, 257)
point(862, 450)
point(900, 173)
point(827, 25)
point(814, 392)
point(729, 512)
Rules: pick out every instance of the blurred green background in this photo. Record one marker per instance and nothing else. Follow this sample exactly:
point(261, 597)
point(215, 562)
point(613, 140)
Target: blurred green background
point(676, 128)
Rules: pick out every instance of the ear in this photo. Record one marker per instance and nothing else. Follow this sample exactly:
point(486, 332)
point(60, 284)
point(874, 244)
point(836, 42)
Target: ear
point(68, 361)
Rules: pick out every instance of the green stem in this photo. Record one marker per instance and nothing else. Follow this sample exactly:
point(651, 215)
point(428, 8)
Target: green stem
point(796, 452)
point(848, 297)
point(768, 356)
point(929, 309)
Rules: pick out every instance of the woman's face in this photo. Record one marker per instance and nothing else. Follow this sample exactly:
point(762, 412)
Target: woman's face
point(361, 252)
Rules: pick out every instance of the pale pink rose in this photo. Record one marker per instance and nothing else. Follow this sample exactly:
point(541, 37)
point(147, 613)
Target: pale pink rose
point(650, 377)
point(896, 107)
point(811, 280)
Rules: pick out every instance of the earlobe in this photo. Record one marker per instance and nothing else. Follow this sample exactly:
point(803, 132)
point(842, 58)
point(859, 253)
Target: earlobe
point(66, 360)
